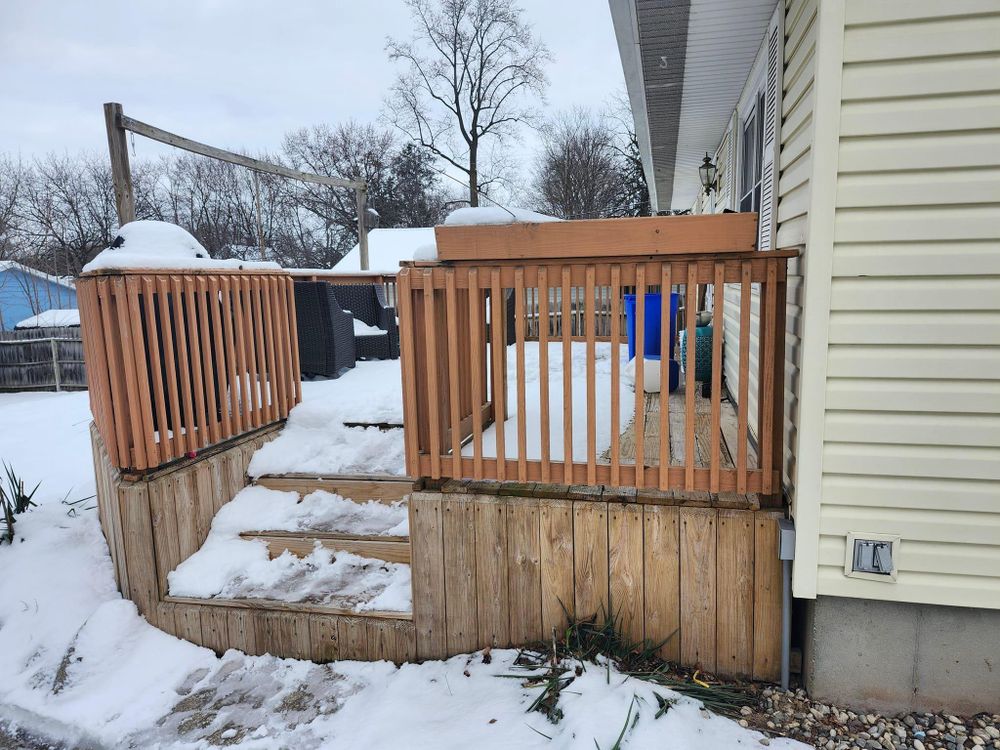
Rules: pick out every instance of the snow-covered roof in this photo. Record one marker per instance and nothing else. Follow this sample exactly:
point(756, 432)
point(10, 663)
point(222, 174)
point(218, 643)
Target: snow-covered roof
point(386, 248)
point(161, 245)
point(10, 265)
point(51, 319)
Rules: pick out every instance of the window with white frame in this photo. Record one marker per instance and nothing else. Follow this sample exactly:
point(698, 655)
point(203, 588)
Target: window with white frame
point(751, 154)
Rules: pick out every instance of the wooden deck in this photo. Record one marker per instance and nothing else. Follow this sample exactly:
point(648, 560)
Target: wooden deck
point(702, 440)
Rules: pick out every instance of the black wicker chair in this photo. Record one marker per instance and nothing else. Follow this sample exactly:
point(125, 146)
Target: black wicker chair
point(325, 331)
point(366, 302)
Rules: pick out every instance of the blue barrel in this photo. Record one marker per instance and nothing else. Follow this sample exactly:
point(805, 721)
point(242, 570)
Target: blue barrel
point(651, 340)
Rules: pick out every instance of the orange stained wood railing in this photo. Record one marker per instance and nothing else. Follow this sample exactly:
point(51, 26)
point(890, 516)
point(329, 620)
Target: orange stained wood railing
point(331, 275)
point(180, 361)
point(453, 354)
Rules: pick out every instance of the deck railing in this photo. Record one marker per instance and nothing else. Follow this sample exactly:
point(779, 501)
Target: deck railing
point(180, 361)
point(453, 356)
point(386, 280)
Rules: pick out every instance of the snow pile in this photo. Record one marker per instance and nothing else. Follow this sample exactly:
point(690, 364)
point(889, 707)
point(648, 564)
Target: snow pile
point(230, 567)
point(161, 245)
point(315, 439)
point(363, 329)
point(387, 248)
point(51, 319)
point(495, 215)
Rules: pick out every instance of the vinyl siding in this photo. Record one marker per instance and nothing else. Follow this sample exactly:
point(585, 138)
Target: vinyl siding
point(911, 442)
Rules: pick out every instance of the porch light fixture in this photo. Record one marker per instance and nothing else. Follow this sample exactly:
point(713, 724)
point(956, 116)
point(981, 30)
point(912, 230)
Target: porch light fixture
point(707, 172)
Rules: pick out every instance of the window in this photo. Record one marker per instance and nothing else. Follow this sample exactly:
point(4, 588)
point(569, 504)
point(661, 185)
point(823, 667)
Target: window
point(751, 152)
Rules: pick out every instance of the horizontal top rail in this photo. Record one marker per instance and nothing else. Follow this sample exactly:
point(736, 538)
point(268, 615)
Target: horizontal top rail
point(172, 139)
point(206, 271)
point(600, 238)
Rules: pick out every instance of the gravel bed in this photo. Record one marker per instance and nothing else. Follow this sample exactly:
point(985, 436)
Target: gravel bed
point(792, 714)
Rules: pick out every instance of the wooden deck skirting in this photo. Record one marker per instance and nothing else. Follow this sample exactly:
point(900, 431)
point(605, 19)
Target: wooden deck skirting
point(494, 570)
point(493, 565)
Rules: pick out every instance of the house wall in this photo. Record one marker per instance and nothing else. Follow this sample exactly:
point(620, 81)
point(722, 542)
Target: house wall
point(912, 388)
point(23, 295)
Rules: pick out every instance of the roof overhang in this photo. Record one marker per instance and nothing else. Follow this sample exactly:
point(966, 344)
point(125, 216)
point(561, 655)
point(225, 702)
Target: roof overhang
point(685, 64)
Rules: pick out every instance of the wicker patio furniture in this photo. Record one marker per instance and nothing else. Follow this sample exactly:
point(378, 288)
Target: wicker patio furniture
point(367, 303)
point(325, 330)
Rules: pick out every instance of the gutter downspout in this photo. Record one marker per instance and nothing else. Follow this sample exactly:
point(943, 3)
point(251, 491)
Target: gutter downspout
point(786, 553)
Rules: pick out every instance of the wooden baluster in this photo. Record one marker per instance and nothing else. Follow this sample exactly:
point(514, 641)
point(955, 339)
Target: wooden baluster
point(241, 355)
point(567, 368)
point(281, 334)
point(274, 399)
point(260, 387)
point(543, 370)
point(765, 400)
point(179, 442)
point(744, 386)
point(719, 301)
point(433, 392)
point(454, 387)
point(640, 376)
point(665, 333)
point(407, 339)
point(590, 321)
point(184, 365)
point(223, 363)
point(691, 318)
point(156, 369)
point(778, 409)
point(251, 353)
point(143, 406)
point(476, 344)
point(198, 417)
point(209, 374)
point(499, 359)
point(522, 427)
point(113, 348)
point(295, 375)
point(616, 426)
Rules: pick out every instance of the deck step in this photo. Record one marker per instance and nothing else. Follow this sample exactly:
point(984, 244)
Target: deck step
point(361, 489)
point(394, 549)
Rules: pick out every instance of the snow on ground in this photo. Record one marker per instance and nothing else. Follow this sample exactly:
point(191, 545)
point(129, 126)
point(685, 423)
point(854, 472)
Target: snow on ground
point(315, 439)
point(45, 437)
point(228, 566)
point(78, 664)
point(532, 402)
point(160, 244)
point(51, 319)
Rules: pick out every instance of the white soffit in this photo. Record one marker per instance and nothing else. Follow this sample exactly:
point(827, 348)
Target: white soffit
point(696, 56)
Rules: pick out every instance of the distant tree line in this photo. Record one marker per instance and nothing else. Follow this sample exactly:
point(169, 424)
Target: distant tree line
point(471, 78)
point(58, 211)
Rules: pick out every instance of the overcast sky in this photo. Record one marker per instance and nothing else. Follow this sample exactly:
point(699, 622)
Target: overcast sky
point(240, 73)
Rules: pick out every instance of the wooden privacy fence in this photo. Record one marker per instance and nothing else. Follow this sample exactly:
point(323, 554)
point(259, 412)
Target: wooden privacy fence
point(180, 361)
point(451, 363)
point(49, 359)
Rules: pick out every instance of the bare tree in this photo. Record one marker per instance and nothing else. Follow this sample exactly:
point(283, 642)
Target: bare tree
point(471, 70)
point(634, 199)
point(579, 172)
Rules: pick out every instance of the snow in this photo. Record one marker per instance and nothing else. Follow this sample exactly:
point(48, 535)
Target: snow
point(231, 567)
point(127, 684)
point(45, 437)
point(495, 215)
point(315, 439)
point(161, 245)
point(363, 329)
point(532, 405)
point(386, 249)
point(51, 319)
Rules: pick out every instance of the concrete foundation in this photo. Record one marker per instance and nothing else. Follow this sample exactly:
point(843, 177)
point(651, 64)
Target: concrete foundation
point(891, 656)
